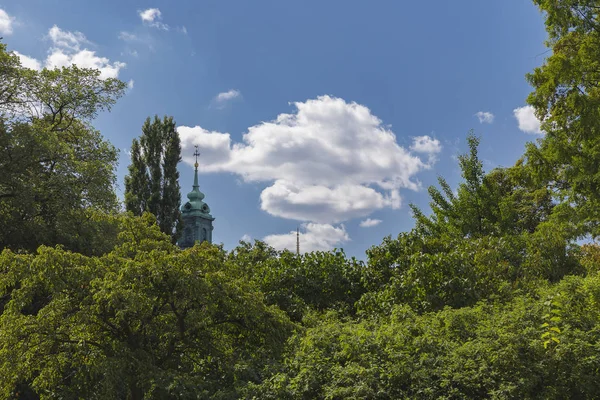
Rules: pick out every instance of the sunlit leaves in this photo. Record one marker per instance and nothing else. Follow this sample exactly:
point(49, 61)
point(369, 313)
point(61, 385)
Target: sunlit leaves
point(146, 319)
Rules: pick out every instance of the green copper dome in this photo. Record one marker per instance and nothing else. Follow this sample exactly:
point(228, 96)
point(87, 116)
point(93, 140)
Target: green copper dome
point(195, 205)
point(195, 213)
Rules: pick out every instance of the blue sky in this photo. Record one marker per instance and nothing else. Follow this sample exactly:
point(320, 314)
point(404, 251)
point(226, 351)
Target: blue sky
point(332, 115)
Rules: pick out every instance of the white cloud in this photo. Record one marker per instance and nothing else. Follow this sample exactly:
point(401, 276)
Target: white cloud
point(527, 120)
point(65, 39)
point(246, 238)
point(324, 204)
point(130, 84)
point(6, 23)
point(485, 117)
point(313, 237)
point(150, 14)
point(84, 59)
point(367, 223)
point(215, 147)
point(28, 62)
point(328, 162)
point(67, 50)
point(229, 95)
point(223, 98)
point(152, 17)
point(425, 144)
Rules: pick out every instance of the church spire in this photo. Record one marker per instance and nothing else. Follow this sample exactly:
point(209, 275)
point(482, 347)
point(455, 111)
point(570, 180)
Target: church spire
point(196, 194)
point(196, 154)
point(197, 221)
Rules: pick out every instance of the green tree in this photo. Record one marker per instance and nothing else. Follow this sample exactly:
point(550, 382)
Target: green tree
point(320, 280)
point(566, 99)
point(503, 201)
point(152, 184)
point(495, 235)
point(145, 321)
point(538, 346)
point(57, 170)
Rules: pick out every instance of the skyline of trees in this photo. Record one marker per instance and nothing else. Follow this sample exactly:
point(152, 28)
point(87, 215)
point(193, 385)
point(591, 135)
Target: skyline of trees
point(489, 296)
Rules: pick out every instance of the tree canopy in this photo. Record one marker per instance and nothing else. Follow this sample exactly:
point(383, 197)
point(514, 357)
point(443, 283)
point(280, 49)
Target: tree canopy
point(56, 168)
point(566, 99)
point(491, 295)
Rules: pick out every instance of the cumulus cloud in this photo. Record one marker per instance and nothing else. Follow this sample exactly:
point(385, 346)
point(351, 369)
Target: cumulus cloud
point(28, 62)
point(367, 223)
point(485, 117)
point(246, 238)
point(313, 237)
point(84, 59)
point(6, 23)
point(425, 144)
point(527, 120)
point(152, 17)
point(67, 40)
point(327, 162)
point(324, 204)
point(68, 49)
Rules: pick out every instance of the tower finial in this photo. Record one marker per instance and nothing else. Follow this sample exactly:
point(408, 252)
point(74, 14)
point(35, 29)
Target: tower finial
point(196, 154)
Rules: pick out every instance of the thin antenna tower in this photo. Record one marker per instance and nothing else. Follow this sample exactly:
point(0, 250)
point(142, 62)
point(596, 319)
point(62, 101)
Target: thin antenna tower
point(297, 240)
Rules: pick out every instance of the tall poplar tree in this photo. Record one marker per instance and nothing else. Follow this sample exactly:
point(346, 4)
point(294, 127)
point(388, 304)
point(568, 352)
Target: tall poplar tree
point(153, 181)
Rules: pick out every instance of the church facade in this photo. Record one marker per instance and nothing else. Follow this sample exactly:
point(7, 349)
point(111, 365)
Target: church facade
point(197, 220)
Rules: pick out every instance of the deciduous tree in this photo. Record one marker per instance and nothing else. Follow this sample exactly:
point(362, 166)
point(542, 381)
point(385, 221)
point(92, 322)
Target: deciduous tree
point(56, 169)
point(566, 99)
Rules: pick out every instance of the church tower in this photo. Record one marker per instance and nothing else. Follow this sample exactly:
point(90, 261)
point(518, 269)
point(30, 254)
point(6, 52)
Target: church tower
point(197, 221)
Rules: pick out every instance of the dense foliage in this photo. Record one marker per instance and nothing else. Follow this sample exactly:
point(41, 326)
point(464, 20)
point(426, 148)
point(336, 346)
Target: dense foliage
point(491, 294)
point(56, 169)
point(146, 320)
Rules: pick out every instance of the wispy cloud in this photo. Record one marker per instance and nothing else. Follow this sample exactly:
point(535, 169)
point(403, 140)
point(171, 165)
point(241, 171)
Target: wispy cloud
point(485, 117)
point(152, 17)
point(128, 37)
point(6, 23)
point(367, 223)
point(223, 98)
point(134, 39)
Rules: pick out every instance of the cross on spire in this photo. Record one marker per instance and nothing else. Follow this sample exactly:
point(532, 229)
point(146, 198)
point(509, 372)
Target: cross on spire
point(196, 154)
